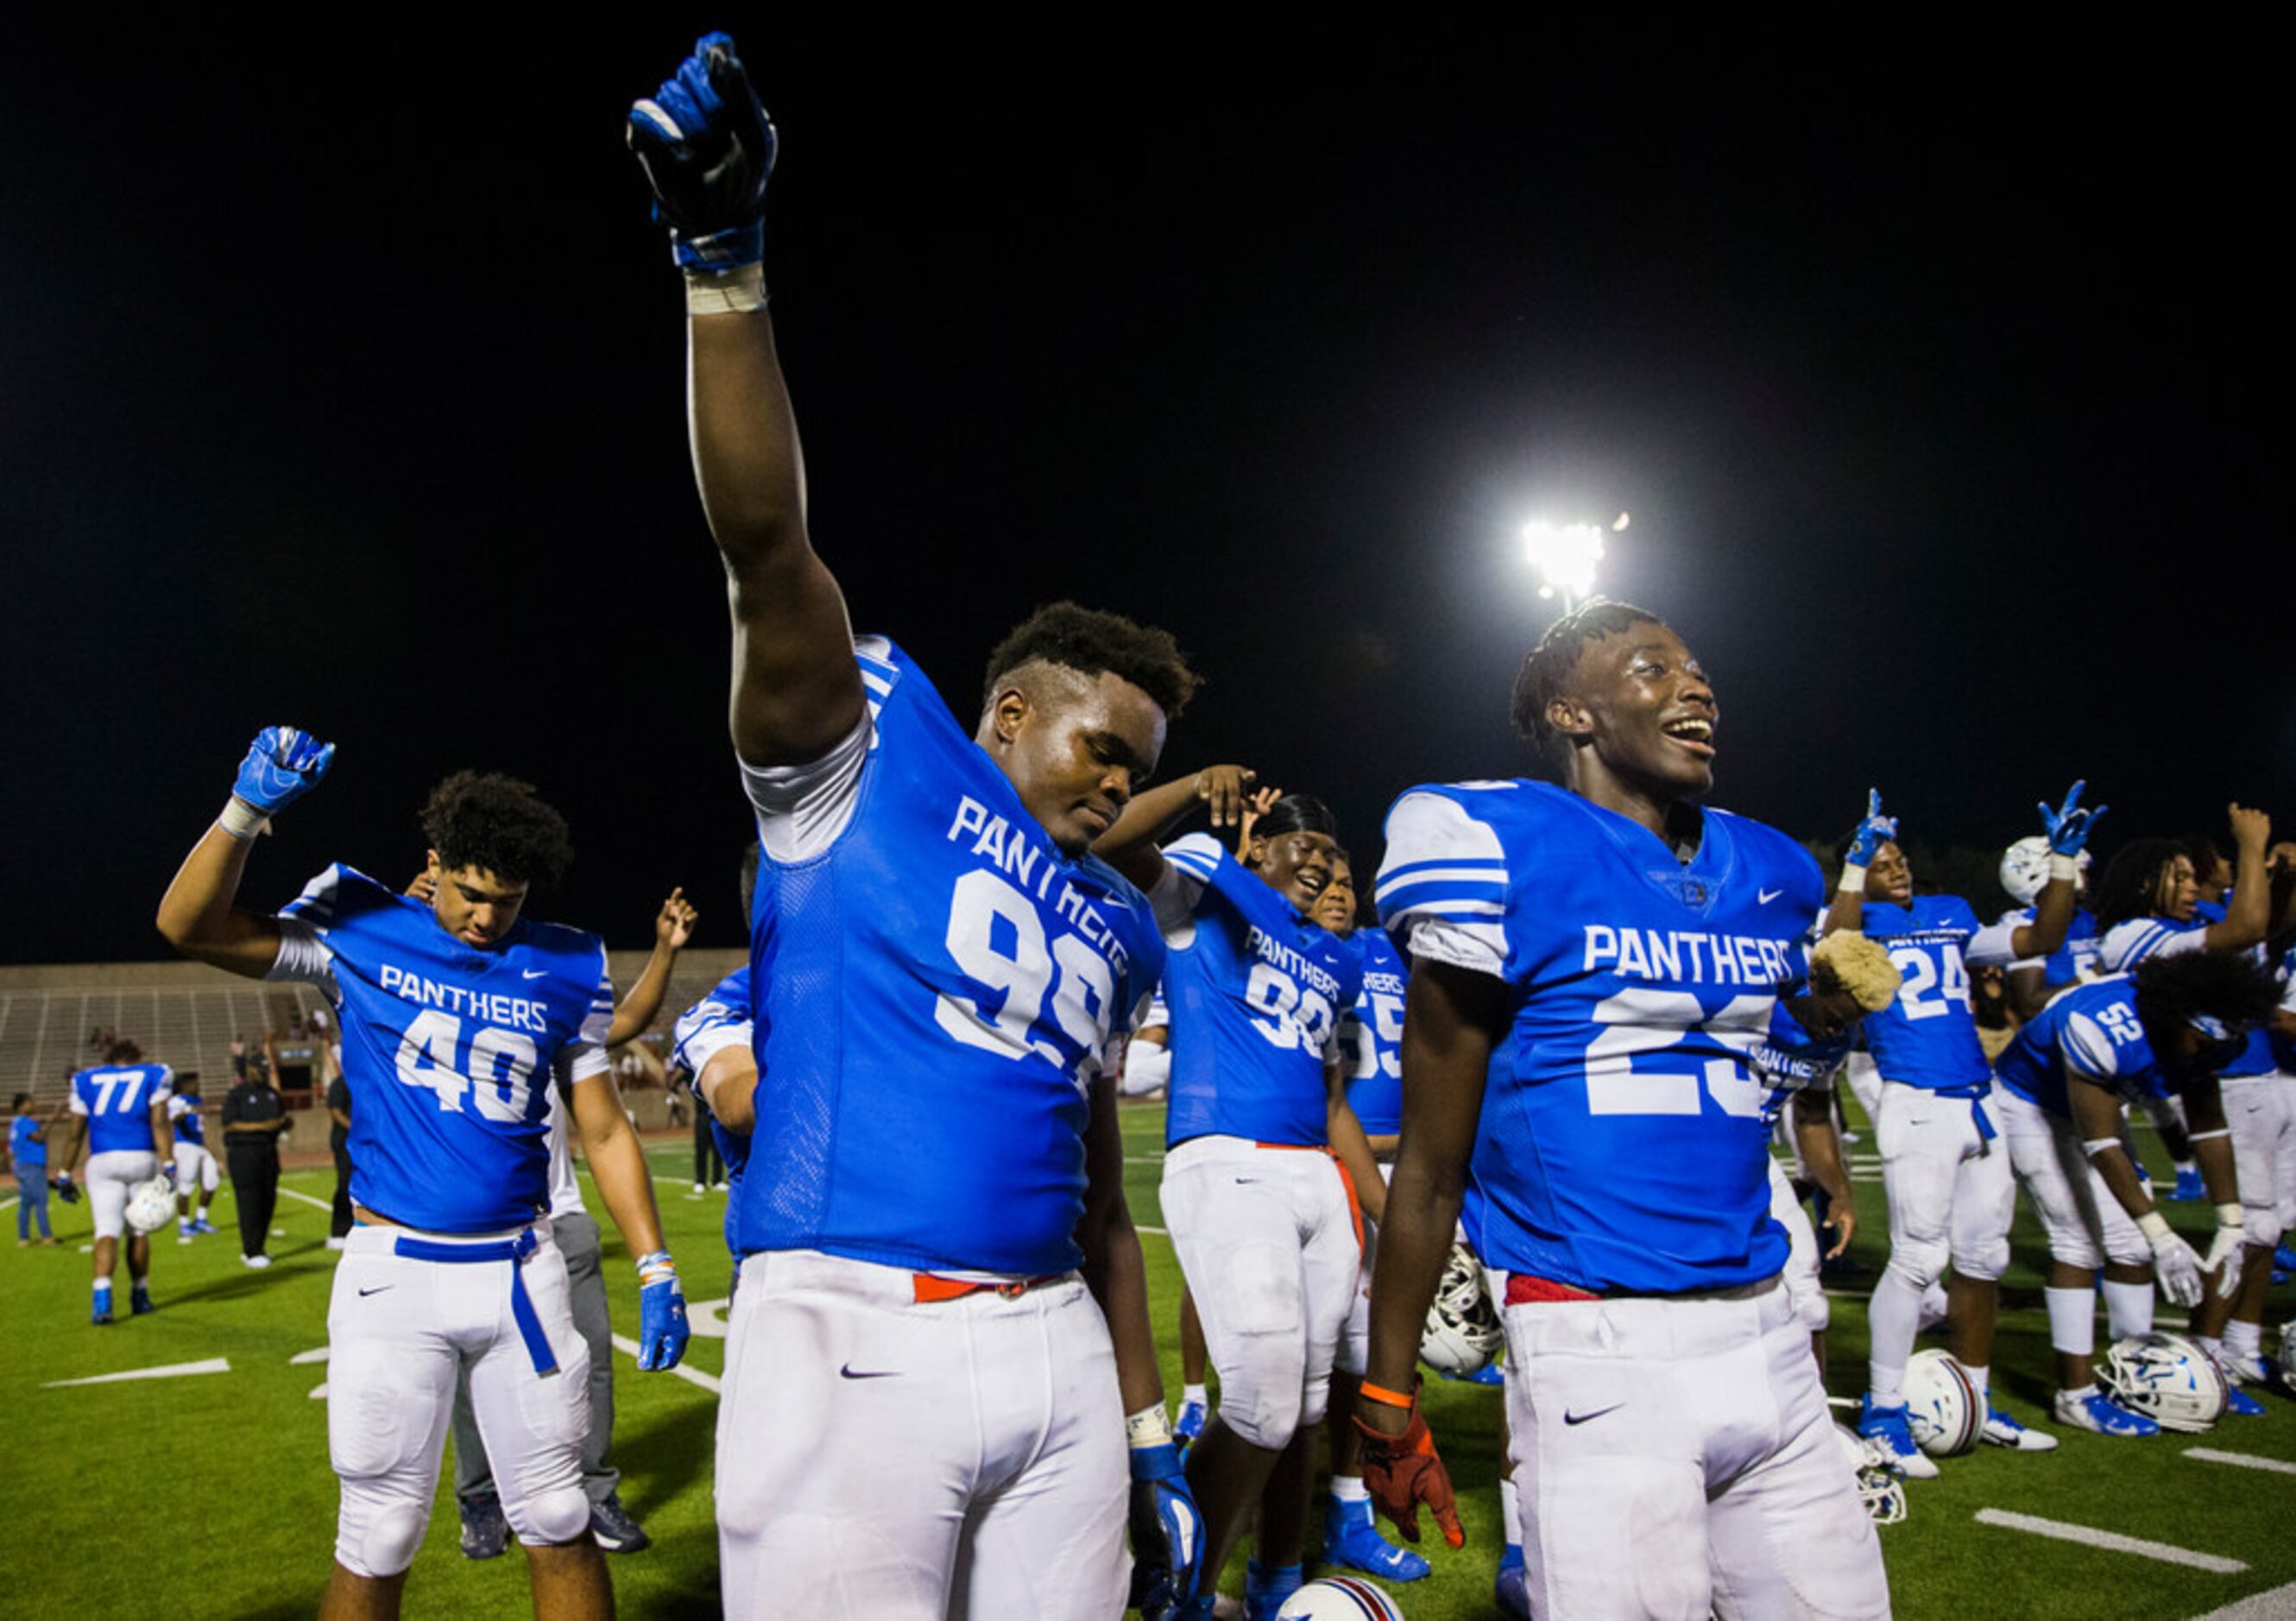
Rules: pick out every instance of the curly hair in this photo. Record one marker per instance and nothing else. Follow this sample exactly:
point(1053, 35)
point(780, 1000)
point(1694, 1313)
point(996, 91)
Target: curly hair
point(497, 824)
point(2228, 986)
point(1546, 672)
point(2132, 881)
point(1090, 641)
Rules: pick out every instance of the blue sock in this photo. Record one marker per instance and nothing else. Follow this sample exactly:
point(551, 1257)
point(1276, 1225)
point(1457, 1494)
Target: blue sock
point(1272, 1581)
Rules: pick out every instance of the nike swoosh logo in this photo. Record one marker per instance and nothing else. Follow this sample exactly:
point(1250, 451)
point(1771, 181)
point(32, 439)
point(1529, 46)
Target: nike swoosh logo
point(532, 973)
point(1770, 894)
point(850, 1371)
point(1580, 1418)
point(377, 1289)
point(1247, 1181)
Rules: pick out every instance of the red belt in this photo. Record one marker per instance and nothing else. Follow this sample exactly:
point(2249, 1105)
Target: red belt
point(1524, 1289)
point(932, 1287)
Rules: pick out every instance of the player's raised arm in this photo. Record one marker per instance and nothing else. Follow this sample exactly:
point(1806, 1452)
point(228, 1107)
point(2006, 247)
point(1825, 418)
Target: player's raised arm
point(1847, 912)
point(1131, 845)
point(196, 914)
point(2068, 827)
point(672, 926)
point(2250, 913)
point(707, 148)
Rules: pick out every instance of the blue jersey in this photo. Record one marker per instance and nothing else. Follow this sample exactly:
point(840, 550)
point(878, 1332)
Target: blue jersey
point(190, 1125)
point(1371, 1037)
point(933, 990)
point(1790, 1060)
point(25, 1150)
point(116, 1100)
point(449, 1049)
point(2071, 962)
point(1256, 992)
point(2092, 1033)
point(718, 1019)
point(2128, 944)
point(1928, 1036)
point(1622, 1144)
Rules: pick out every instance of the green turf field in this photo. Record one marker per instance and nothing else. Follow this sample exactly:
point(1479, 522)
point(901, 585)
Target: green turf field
point(209, 1495)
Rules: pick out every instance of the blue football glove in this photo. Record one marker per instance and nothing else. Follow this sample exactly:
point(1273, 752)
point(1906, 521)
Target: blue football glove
point(282, 765)
point(2069, 825)
point(662, 1328)
point(707, 148)
point(1167, 1533)
point(1875, 832)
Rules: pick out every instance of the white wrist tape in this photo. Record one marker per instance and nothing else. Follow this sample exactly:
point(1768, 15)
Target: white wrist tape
point(2221, 1131)
point(2231, 1215)
point(2097, 1145)
point(241, 820)
point(2154, 1226)
point(2065, 867)
point(1853, 880)
point(733, 292)
point(1148, 1428)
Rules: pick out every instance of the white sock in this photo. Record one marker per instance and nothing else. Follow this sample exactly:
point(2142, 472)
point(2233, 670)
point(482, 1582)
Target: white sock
point(1349, 1488)
point(1511, 1512)
point(1196, 1394)
point(2128, 1309)
point(2244, 1339)
point(2081, 1395)
point(2072, 1320)
point(1893, 1320)
point(2210, 1343)
point(1982, 1378)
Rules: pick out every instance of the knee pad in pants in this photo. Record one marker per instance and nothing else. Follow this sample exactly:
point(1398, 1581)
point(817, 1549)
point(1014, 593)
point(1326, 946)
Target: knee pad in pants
point(377, 1530)
point(560, 1514)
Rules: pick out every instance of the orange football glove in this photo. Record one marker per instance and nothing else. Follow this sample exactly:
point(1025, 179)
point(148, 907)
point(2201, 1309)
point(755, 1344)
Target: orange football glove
point(1403, 1472)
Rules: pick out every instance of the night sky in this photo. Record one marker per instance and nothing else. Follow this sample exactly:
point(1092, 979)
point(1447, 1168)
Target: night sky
point(1943, 378)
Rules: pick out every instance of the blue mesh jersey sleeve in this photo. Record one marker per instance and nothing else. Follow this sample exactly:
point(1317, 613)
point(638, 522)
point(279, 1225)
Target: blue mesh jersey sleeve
point(1622, 1142)
point(933, 990)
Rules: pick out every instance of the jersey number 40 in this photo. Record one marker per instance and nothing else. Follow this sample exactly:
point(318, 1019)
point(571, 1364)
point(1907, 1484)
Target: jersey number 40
point(496, 1067)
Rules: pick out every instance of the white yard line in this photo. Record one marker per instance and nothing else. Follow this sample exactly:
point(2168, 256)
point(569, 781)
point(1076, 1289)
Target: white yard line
point(2278, 1605)
point(2111, 1540)
point(691, 1376)
point(213, 1364)
point(328, 1205)
point(2209, 1455)
point(1161, 1233)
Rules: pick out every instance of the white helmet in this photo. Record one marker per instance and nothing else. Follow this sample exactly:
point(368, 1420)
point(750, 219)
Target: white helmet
point(2025, 867)
point(1462, 1331)
point(1942, 1404)
point(1881, 1488)
point(152, 1206)
point(1338, 1598)
point(2170, 1380)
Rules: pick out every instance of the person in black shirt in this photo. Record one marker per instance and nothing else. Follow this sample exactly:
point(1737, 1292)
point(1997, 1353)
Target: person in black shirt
point(339, 1139)
point(253, 1116)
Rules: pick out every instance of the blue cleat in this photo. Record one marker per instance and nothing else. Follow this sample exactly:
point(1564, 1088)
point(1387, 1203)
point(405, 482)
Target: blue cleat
point(1890, 1427)
point(2002, 1430)
point(1190, 1424)
point(202, 1226)
point(1266, 1587)
point(139, 1302)
point(2240, 1404)
point(1488, 1375)
point(2100, 1414)
point(2188, 1187)
point(2284, 1258)
point(1510, 1590)
point(1352, 1541)
point(99, 1315)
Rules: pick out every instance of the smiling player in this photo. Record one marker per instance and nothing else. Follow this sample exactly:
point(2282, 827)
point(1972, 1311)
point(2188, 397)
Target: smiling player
point(1593, 965)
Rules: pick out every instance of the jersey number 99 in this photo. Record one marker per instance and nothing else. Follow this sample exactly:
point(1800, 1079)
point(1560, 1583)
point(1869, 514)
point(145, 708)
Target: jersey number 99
point(997, 937)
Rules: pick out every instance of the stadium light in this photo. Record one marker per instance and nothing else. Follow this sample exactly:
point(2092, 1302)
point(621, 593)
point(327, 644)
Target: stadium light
point(1566, 556)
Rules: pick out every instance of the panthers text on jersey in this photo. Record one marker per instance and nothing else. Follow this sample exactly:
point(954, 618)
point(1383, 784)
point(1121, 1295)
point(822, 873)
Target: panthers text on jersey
point(1928, 1036)
point(1256, 992)
point(1622, 1144)
point(449, 1049)
point(116, 1100)
point(2092, 1031)
point(1791, 1060)
point(934, 987)
point(1371, 1037)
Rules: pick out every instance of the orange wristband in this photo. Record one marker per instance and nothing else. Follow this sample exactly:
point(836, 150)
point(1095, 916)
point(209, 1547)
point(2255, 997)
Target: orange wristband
point(1383, 1396)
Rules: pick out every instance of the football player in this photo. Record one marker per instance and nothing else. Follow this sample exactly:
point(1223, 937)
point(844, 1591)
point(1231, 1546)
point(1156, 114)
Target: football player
point(459, 1019)
point(2168, 1028)
point(196, 1176)
point(485, 1531)
point(936, 1258)
point(2148, 905)
point(1264, 1162)
point(1593, 965)
point(120, 1108)
point(1952, 1196)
